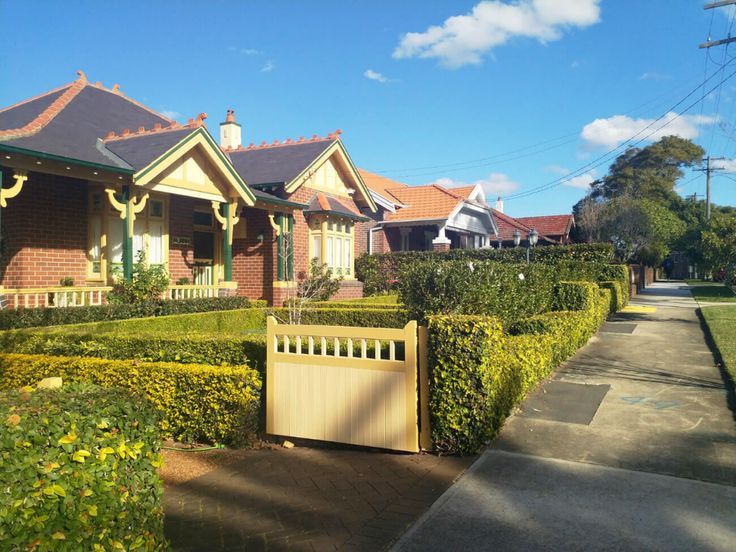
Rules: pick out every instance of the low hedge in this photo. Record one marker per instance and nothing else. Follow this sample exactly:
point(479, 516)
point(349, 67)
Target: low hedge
point(79, 471)
point(230, 322)
point(352, 305)
point(189, 349)
point(382, 273)
point(575, 296)
point(506, 291)
point(362, 317)
point(195, 402)
point(27, 318)
point(477, 373)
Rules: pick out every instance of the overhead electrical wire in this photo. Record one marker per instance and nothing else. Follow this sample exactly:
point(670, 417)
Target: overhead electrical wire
point(504, 157)
point(609, 155)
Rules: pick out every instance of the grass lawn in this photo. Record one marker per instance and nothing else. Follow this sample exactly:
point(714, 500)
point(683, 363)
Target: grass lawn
point(702, 283)
point(722, 325)
point(713, 292)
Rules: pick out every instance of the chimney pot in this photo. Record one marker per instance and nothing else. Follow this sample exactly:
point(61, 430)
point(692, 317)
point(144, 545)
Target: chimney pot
point(499, 204)
point(230, 132)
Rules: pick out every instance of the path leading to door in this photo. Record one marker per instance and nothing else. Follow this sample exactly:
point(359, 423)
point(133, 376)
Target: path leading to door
point(631, 446)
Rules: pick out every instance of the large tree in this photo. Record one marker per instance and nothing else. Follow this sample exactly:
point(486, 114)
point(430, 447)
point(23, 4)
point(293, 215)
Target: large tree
point(635, 206)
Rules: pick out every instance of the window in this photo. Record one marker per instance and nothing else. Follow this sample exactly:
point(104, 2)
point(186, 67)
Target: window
point(331, 243)
point(94, 235)
point(106, 233)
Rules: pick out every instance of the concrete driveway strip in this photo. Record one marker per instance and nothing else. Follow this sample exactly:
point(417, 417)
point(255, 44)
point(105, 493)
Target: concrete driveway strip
point(649, 466)
point(510, 501)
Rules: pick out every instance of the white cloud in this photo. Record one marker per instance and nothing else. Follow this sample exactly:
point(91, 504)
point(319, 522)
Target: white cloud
point(728, 165)
point(463, 39)
point(582, 181)
point(171, 114)
point(653, 75)
point(374, 75)
point(268, 67)
point(610, 132)
point(244, 51)
point(575, 64)
point(557, 169)
point(493, 185)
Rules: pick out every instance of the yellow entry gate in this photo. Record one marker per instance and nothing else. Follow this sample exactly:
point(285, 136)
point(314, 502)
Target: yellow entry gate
point(359, 386)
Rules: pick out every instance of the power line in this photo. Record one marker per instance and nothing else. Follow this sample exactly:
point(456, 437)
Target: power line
point(502, 157)
point(608, 155)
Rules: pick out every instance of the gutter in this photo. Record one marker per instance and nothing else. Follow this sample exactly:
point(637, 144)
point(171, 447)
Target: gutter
point(62, 159)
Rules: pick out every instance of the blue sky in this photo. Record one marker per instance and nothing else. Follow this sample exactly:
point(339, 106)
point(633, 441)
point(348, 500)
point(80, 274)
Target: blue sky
point(514, 95)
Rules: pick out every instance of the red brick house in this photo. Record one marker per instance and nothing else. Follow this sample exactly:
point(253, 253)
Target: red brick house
point(90, 178)
point(425, 218)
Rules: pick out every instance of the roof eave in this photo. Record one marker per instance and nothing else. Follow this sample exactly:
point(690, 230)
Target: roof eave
point(62, 159)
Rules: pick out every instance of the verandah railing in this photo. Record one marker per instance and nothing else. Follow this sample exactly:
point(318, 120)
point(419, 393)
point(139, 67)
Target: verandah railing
point(53, 297)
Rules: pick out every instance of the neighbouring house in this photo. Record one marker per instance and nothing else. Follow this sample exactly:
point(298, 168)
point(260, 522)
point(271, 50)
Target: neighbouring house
point(425, 218)
point(551, 230)
point(91, 178)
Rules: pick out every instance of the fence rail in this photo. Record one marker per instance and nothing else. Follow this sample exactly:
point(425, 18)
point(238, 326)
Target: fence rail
point(343, 384)
point(54, 297)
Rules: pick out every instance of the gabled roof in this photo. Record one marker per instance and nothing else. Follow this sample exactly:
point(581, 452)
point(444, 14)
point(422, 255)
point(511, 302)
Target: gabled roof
point(139, 150)
point(67, 122)
point(380, 184)
point(277, 163)
point(507, 225)
point(432, 202)
point(322, 203)
point(551, 225)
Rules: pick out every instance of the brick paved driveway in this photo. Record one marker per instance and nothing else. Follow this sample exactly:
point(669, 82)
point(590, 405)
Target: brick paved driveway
point(306, 499)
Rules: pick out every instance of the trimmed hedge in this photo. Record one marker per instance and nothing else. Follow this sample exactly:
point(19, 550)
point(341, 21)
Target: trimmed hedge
point(195, 402)
point(28, 318)
point(363, 317)
point(79, 471)
point(381, 273)
point(189, 349)
point(478, 373)
point(506, 291)
point(353, 305)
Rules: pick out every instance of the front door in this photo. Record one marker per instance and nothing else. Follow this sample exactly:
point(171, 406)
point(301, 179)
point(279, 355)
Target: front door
point(204, 258)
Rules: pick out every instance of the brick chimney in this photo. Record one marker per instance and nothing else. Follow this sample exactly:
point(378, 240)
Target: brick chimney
point(230, 132)
point(499, 204)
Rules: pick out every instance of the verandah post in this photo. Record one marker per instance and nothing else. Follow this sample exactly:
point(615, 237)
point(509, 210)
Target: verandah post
point(127, 236)
point(227, 243)
point(280, 248)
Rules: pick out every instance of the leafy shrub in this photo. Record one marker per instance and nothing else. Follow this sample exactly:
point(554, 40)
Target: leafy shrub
point(575, 296)
point(381, 273)
point(477, 373)
point(618, 296)
point(195, 402)
point(79, 471)
point(505, 291)
point(352, 305)
point(147, 284)
point(28, 318)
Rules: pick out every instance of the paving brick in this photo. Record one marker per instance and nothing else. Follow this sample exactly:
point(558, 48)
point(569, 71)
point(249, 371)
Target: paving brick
point(306, 499)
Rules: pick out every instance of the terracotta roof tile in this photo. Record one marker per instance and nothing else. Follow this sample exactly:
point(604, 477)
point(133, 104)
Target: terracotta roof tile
point(380, 184)
point(551, 225)
point(423, 202)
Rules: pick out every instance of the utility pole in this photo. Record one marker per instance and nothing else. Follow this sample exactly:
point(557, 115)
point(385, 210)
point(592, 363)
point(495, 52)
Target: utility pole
point(708, 170)
point(728, 40)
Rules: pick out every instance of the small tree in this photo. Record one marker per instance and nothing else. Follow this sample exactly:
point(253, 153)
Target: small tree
point(319, 284)
point(148, 284)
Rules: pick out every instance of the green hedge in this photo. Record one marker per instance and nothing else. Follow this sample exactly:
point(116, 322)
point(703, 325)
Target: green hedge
point(363, 317)
point(381, 273)
point(353, 305)
point(27, 318)
point(195, 402)
point(477, 373)
point(79, 471)
point(187, 349)
point(506, 291)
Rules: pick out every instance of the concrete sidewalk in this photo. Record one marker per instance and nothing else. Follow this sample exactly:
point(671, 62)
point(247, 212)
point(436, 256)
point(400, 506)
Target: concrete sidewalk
point(652, 467)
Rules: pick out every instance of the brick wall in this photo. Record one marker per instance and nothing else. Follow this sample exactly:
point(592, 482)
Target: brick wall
point(45, 232)
point(253, 266)
point(181, 256)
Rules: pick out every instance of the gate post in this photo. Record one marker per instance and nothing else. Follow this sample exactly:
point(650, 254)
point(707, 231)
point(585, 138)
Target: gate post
point(271, 324)
point(425, 430)
point(410, 363)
